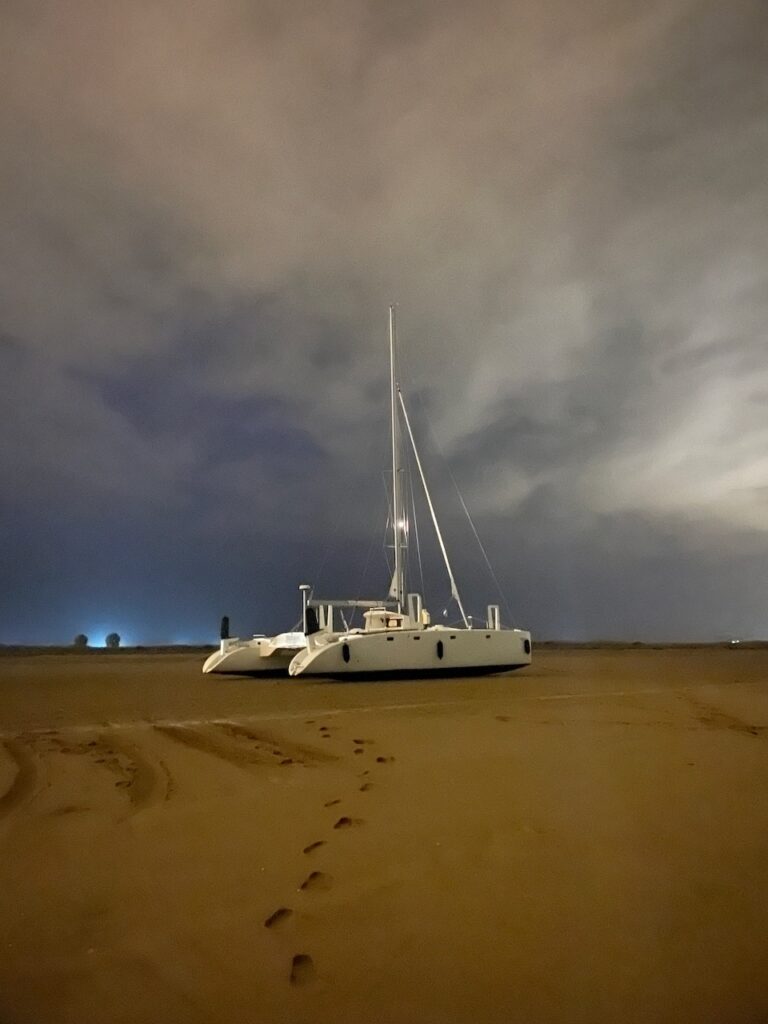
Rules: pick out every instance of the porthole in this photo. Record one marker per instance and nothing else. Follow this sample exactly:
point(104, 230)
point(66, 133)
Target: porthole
point(439, 648)
point(527, 645)
point(487, 636)
point(345, 652)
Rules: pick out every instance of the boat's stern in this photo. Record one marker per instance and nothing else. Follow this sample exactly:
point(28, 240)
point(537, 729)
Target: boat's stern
point(526, 646)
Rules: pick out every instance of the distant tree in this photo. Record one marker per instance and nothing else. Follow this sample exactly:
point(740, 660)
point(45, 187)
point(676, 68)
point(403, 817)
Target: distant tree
point(224, 631)
point(81, 640)
point(112, 640)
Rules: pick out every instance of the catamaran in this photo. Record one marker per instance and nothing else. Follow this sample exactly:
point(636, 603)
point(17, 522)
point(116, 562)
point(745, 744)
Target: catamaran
point(398, 638)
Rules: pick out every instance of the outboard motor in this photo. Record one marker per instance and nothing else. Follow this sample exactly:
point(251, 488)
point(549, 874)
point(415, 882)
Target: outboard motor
point(311, 625)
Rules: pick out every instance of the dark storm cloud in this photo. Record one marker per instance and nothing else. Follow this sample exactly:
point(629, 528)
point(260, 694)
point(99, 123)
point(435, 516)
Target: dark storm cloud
point(206, 210)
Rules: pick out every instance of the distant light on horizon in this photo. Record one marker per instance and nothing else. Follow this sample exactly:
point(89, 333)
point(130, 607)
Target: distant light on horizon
point(97, 637)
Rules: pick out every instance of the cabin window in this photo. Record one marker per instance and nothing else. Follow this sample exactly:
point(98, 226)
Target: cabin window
point(451, 637)
point(390, 639)
point(527, 645)
point(487, 636)
point(417, 638)
point(439, 648)
point(345, 652)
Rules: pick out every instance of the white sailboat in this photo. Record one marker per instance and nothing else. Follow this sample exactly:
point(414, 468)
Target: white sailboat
point(397, 638)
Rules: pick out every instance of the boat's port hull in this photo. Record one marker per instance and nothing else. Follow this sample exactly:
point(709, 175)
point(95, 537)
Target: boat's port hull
point(249, 658)
point(269, 673)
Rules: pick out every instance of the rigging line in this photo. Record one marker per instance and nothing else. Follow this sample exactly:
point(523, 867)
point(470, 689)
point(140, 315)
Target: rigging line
point(487, 560)
point(501, 593)
point(418, 542)
point(416, 535)
point(454, 588)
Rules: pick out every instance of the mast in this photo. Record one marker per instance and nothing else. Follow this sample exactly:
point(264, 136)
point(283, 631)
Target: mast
point(397, 588)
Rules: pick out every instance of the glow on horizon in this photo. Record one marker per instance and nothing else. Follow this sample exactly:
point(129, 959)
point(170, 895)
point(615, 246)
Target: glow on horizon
point(97, 636)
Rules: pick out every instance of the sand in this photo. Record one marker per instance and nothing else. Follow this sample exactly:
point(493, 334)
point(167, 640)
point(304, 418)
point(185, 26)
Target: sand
point(586, 840)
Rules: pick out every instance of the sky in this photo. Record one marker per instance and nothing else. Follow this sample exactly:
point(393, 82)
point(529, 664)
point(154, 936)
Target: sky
point(205, 210)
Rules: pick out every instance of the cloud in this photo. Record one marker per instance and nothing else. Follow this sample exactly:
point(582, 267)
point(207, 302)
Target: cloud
point(207, 209)
point(64, 441)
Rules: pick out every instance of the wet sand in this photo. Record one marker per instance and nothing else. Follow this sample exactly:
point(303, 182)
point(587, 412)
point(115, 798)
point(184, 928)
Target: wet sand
point(584, 841)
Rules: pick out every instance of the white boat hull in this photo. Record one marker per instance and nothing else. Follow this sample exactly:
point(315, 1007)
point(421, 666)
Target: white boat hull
point(413, 653)
point(262, 655)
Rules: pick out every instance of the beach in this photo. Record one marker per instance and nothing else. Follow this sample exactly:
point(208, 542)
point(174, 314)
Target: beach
point(585, 840)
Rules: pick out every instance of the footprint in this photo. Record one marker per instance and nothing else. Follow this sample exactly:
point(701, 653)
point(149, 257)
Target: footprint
point(287, 760)
point(366, 786)
point(502, 718)
point(69, 809)
point(332, 803)
point(302, 969)
point(345, 822)
point(279, 915)
point(314, 846)
point(310, 721)
point(316, 880)
point(359, 750)
point(384, 760)
point(362, 741)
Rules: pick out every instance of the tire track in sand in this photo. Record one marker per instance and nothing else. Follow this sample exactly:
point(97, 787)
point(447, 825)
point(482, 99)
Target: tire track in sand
point(148, 782)
point(242, 747)
point(144, 779)
point(25, 780)
point(208, 743)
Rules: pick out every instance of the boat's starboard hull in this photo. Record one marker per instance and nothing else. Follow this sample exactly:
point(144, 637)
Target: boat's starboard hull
point(426, 673)
point(412, 654)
